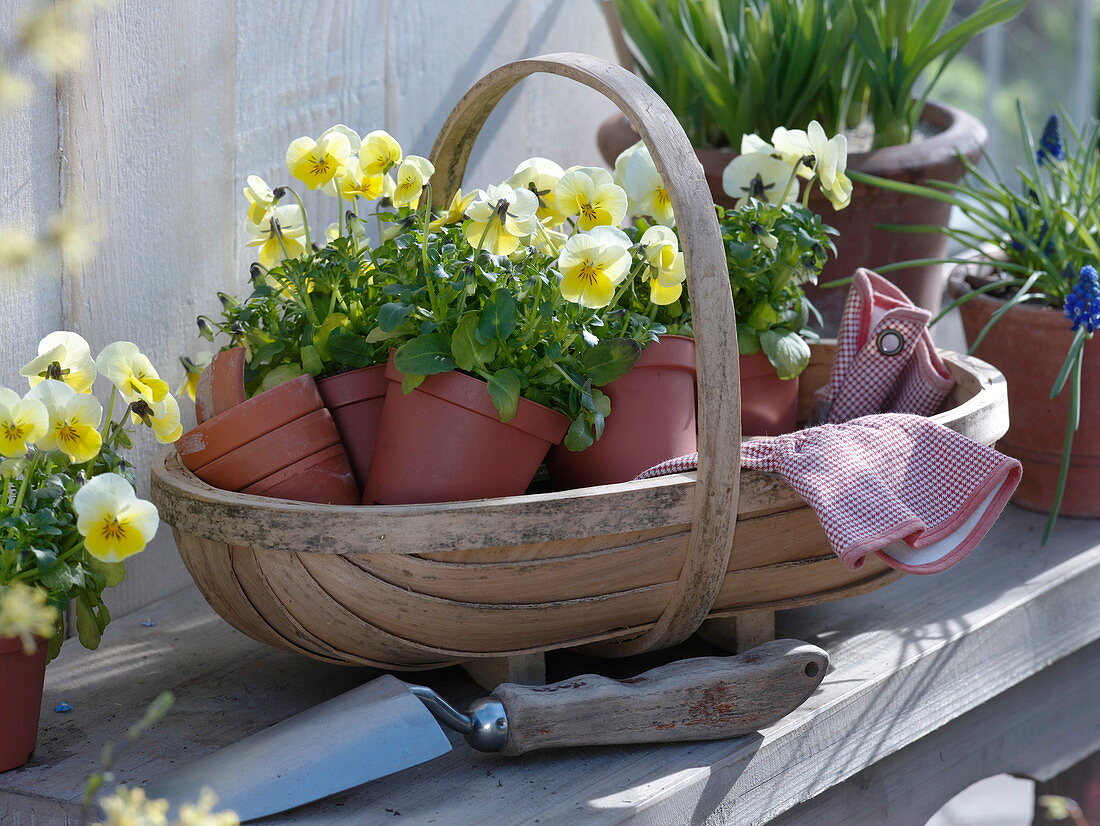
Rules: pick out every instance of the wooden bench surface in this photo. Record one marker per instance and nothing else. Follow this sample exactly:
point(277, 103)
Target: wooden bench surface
point(907, 660)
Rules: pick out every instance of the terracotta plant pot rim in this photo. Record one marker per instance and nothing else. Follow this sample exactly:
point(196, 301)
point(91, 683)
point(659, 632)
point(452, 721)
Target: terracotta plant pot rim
point(290, 471)
point(473, 394)
point(670, 353)
point(353, 386)
point(960, 132)
point(11, 645)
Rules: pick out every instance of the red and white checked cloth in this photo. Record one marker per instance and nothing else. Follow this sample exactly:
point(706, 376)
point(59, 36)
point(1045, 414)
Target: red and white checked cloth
point(885, 360)
point(919, 495)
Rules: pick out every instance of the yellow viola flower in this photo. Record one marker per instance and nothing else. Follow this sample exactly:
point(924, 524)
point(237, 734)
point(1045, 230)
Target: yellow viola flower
point(63, 356)
point(25, 614)
point(74, 420)
point(592, 264)
point(48, 34)
point(162, 417)
point(12, 468)
point(260, 198)
point(316, 162)
point(131, 372)
point(17, 248)
point(203, 814)
point(115, 524)
point(14, 90)
point(646, 193)
point(818, 156)
point(288, 237)
point(378, 153)
point(591, 194)
point(661, 249)
point(455, 212)
point(351, 182)
point(192, 369)
point(499, 217)
point(540, 176)
point(130, 807)
point(413, 173)
point(758, 176)
point(754, 143)
point(662, 295)
point(22, 422)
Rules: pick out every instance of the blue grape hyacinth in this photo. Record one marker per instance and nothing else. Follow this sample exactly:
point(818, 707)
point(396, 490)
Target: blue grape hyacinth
point(1050, 144)
point(1083, 302)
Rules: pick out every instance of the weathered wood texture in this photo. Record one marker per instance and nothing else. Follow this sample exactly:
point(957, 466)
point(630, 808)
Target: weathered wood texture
point(180, 101)
point(908, 662)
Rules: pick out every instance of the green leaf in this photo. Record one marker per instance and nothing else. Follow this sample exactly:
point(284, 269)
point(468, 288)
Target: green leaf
point(498, 318)
point(87, 626)
point(580, 435)
point(610, 359)
point(44, 559)
point(392, 315)
point(114, 573)
point(763, 316)
point(320, 338)
point(425, 355)
point(748, 340)
point(410, 382)
point(788, 352)
point(504, 388)
point(350, 349)
point(280, 375)
point(601, 402)
point(311, 360)
point(469, 353)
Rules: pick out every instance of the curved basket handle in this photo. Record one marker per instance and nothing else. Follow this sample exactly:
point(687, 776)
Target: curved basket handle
point(717, 485)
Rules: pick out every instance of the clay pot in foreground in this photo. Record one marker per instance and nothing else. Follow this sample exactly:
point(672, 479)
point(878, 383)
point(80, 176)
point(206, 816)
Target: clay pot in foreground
point(861, 243)
point(355, 400)
point(21, 679)
point(282, 442)
point(652, 419)
point(444, 442)
point(769, 404)
point(1028, 345)
point(221, 385)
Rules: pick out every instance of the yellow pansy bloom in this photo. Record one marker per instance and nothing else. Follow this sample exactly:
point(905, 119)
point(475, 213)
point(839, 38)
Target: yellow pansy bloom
point(130, 807)
point(163, 418)
point(591, 194)
point(661, 295)
point(14, 90)
point(592, 264)
point(758, 176)
point(17, 248)
point(115, 524)
point(646, 193)
point(378, 153)
point(541, 177)
point(289, 237)
point(260, 198)
point(412, 175)
point(192, 369)
point(455, 211)
point(73, 421)
point(12, 468)
point(499, 217)
point(316, 162)
point(25, 614)
point(351, 183)
point(818, 156)
point(131, 372)
point(63, 356)
point(661, 249)
point(22, 422)
point(203, 814)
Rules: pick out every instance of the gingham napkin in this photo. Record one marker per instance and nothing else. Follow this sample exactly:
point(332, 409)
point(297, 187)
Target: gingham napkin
point(885, 360)
point(919, 495)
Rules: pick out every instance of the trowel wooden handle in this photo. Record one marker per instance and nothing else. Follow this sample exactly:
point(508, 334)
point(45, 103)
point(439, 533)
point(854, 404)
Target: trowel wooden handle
point(709, 698)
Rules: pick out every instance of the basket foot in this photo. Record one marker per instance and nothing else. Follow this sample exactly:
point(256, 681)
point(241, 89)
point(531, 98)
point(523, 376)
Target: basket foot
point(740, 632)
point(524, 669)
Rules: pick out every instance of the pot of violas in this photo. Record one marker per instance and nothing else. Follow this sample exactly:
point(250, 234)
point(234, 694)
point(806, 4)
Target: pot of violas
point(1030, 305)
point(69, 514)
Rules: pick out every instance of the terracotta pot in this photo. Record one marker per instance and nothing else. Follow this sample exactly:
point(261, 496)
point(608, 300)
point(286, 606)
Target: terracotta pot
point(445, 442)
point(282, 442)
point(355, 400)
point(652, 419)
point(769, 404)
point(1028, 345)
point(860, 243)
point(21, 678)
point(221, 385)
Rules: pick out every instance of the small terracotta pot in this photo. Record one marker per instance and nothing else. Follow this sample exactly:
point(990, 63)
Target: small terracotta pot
point(21, 679)
point(445, 442)
point(221, 385)
point(652, 419)
point(861, 243)
point(769, 404)
point(278, 443)
point(1028, 345)
point(355, 400)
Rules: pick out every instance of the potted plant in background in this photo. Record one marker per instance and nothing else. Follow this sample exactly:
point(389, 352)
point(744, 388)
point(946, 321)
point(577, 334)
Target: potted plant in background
point(69, 516)
point(732, 68)
point(1027, 292)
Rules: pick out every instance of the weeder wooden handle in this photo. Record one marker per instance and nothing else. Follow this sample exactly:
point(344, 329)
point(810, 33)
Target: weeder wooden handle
point(709, 698)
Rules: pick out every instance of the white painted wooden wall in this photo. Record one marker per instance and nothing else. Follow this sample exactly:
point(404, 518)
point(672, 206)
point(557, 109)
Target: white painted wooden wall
point(181, 99)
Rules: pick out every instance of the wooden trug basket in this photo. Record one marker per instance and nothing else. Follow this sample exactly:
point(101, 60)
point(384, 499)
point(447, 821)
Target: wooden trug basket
point(619, 569)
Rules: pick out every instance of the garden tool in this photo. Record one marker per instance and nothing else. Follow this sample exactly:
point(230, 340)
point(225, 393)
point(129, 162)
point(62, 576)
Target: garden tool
point(386, 725)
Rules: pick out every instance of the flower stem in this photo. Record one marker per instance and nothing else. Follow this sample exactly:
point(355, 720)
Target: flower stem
point(305, 217)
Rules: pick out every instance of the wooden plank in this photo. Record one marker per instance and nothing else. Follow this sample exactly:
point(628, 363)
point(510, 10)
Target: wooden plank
point(907, 661)
point(148, 138)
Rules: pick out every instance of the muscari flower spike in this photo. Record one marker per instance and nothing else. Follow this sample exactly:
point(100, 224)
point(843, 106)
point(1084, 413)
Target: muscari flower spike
point(1083, 302)
point(1050, 144)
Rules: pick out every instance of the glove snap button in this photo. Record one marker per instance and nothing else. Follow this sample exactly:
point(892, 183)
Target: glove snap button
point(890, 342)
